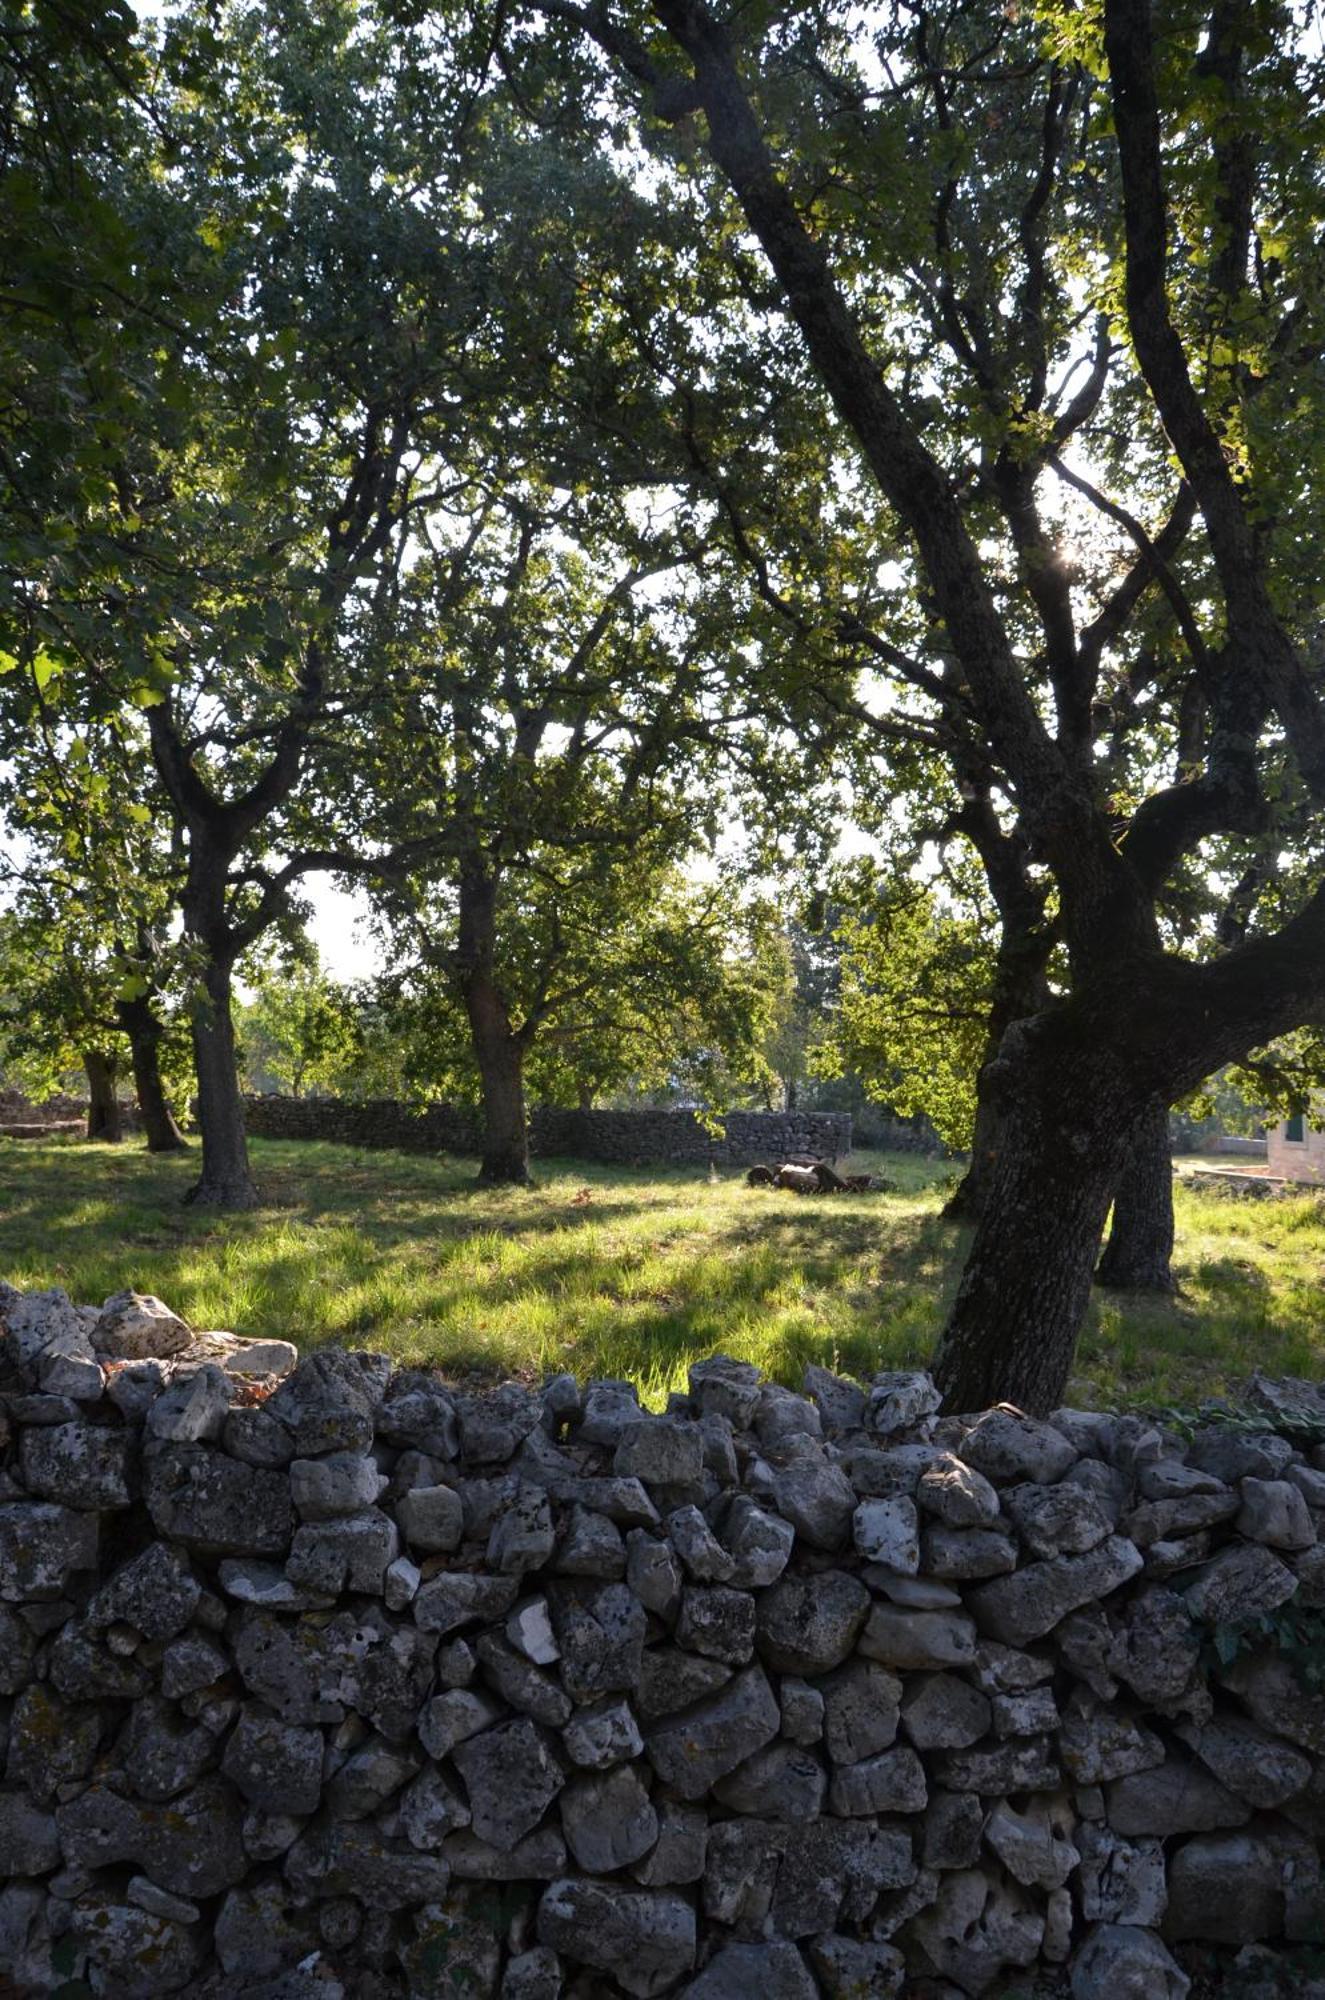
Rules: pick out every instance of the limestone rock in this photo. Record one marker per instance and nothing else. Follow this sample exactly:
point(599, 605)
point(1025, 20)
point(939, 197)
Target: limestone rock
point(1244, 1581)
point(917, 1639)
point(975, 1928)
point(511, 1778)
point(644, 1939)
point(1123, 1962)
point(192, 1408)
point(780, 1781)
point(810, 1624)
point(1057, 1520)
point(41, 1546)
point(819, 1501)
point(78, 1465)
point(956, 1494)
point(894, 1781)
point(1275, 1513)
point(774, 1971)
point(898, 1400)
point(887, 1532)
point(1120, 1881)
point(1035, 1845)
point(859, 1709)
point(1016, 1609)
point(693, 1748)
point(1175, 1797)
point(1007, 1446)
point(190, 1845)
point(206, 1500)
point(136, 1326)
point(608, 1820)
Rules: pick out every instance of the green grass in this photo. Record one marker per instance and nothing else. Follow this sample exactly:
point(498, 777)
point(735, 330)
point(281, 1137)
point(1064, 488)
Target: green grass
point(628, 1272)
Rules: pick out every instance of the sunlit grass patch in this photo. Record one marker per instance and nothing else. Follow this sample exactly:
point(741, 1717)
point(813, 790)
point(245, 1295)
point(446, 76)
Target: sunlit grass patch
point(629, 1272)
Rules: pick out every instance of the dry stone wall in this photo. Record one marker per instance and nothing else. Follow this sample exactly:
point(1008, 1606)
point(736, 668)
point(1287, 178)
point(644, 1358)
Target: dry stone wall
point(636, 1138)
point(331, 1679)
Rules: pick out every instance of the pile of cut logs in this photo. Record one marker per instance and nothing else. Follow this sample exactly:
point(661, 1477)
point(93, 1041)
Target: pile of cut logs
point(808, 1176)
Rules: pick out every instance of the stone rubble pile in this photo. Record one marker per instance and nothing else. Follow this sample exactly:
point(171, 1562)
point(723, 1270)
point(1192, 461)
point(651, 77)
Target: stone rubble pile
point(335, 1680)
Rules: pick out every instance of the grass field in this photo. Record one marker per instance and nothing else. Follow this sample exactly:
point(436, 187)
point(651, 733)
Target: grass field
point(628, 1272)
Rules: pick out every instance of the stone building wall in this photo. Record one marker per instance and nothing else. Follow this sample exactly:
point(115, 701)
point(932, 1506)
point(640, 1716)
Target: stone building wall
point(641, 1138)
point(344, 1684)
point(1295, 1151)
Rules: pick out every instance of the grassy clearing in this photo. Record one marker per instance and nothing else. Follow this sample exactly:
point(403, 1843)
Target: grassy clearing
point(626, 1271)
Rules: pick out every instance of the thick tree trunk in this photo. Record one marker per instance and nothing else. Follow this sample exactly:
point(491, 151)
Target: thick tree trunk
point(226, 1180)
point(500, 1054)
point(144, 1031)
point(103, 1106)
point(1138, 1254)
point(967, 1201)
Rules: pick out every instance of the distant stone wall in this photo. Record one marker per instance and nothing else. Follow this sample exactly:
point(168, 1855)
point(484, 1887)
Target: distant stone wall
point(641, 1138)
point(340, 1683)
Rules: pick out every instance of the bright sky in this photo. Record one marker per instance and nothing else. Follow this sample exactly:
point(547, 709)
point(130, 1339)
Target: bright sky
point(339, 930)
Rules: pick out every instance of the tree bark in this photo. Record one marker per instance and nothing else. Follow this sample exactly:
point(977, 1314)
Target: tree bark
point(967, 1201)
point(144, 1032)
point(103, 1106)
point(500, 1054)
point(1138, 1254)
point(226, 1180)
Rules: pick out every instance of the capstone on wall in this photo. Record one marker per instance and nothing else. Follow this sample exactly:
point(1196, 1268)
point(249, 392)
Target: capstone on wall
point(642, 1138)
point(335, 1680)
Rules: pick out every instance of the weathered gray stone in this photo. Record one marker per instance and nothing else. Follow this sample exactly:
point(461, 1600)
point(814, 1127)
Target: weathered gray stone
point(652, 1572)
point(1034, 1713)
point(52, 1743)
point(460, 1597)
point(189, 1845)
point(602, 1735)
point(850, 1970)
point(368, 1777)
point(78, 1465)
point(161, 1752)
point(678, 1855)
point(1232, 1454)
point(841, 1402)
point(966, 1554)
point(591, 1545)
point(37, 1323)
point(608, 1819)
point(944, 1712)
point(1123, 1962)
point(892, 1782)
point(726, 1388)
point(1244, 1581)
point(693, 1748)
point(954, 1822)
point(610, 1410)
point(192, 1408)
point(206, 1500)
point(1056, 1520)
point(975, 1928)
point(254, 1436)
point(667, 1452)
point(803, 1712)
point(331, 1401)
point(1035, 1845)
point(644, 1939)
point(419, 1413)
point(430, 1809)
point(859, 1707)
point(1253, 1764)
point(259, 1932)
point(775, 1971)
point(1015, 1609)
point(1225, 1888)
point(781, 1781)
point(818, 1499)
point(136, 1326)
point(670, 1680)
point(156, 1593)
point(521, 1684)
point(511, 1778)
point(1174, 1797)
point(353, 1858)
point(956, 1494)
point(601, 1635)
point(780, 1414)
point(1120, 1881)
point(1274, 1696)
point(900, 1638)
point(276, 1765)
point(133, 1953)
point(1007, 1445)
point(810, 1624)
point(537, 1858)
point(339, 1482)
point(700, 1550)
point(887, 1532)
point(718, 1623)
point(431, 1518)
point(898, 1400)
point(532, 1975)
point(315, 1673)
point(1275, 1512)
point(29, 1838)
point(41, 1546)
point(1021, 1764)
point(1098, 1747)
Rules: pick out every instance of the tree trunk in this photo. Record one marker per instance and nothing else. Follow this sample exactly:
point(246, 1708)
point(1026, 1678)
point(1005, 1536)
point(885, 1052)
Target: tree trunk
point(500, 1053)
point(1138, 1254)
point(1067, 1108)
point(144, 1031)
point(103, 1106)
point(226, 1180)
point(967, 1201)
